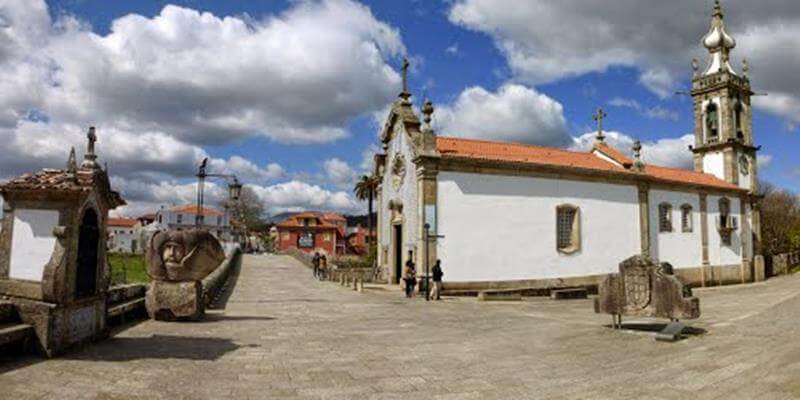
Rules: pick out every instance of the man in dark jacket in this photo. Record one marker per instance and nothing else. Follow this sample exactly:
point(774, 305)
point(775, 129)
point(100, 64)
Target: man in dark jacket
point(410, 275)
point(315, 263)
point(437, 272)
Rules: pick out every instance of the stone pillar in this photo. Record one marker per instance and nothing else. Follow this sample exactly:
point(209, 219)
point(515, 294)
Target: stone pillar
point(704, 236)
point(644, 219)
point(743, 232)
point(427, 211)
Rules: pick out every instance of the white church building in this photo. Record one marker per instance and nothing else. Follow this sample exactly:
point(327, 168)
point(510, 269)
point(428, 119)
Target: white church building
point(506, 215)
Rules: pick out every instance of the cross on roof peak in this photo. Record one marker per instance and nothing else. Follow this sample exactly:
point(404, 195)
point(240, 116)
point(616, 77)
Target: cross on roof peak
point(599, 116)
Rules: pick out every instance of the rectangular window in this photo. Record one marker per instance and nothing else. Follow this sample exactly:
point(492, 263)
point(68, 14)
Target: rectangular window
point(664, 217)
point(180, 218)
point(567, 228)
point(686, 218)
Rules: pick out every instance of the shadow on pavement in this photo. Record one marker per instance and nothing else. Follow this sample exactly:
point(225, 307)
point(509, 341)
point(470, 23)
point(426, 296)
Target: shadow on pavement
point(656, 327)
point(155, 347)
point(223, 317)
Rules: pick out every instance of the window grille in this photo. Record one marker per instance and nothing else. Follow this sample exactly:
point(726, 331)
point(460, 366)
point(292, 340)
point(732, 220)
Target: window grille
point(567, 228)
point(686, 218)
point(664, 217)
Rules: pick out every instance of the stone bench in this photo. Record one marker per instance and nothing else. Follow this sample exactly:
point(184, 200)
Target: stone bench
point(500, 295)
point(569, 293)
point(124, 308)
point(14, 332)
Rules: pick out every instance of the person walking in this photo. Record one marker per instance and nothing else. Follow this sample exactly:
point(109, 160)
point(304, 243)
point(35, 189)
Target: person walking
point(437, 280)
point(323, 267)
point(315, 263)
point(410, 275)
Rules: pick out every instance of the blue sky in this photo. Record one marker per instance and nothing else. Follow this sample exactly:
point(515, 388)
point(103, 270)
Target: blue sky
point(454, 46)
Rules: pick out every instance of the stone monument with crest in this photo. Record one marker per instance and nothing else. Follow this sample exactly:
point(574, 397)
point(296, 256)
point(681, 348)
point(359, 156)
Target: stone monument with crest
point(645, 289)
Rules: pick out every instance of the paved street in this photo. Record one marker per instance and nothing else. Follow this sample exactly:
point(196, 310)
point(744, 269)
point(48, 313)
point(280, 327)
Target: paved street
point(284, 335)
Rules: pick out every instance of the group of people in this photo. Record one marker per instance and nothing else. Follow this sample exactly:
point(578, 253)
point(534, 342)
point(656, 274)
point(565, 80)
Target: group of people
point(410, 278)
point(320, 264)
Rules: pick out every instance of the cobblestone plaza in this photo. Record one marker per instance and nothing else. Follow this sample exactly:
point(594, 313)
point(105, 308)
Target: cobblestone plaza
point(285, 335)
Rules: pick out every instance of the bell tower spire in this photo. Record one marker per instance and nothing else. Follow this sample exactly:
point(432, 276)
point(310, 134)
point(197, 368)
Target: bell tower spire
point(723, 117)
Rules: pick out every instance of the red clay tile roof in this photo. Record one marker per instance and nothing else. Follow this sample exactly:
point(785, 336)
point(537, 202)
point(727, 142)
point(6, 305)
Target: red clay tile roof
point(458, 148)
point(324, 221)
point(192, 209)
point(123, 222)
point(59, 180)
point(613, 154)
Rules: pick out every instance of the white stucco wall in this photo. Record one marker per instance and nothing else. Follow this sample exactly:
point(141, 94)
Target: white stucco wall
point(681, 249)
point(121, 238)
point(714, 164)
point(32, 243)
point(719, 254)
point(504, 227)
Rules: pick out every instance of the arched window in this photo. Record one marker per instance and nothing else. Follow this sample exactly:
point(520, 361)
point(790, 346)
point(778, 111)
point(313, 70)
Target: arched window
point(686, 218)
point(568, 232)
point(712, 122)
point(664, 217)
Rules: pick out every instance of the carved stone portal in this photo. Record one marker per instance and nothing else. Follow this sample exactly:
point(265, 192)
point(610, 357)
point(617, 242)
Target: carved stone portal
point(645, 289)
point(177, 261)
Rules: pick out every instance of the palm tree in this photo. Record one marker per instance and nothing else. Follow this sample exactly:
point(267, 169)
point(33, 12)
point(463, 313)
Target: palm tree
point(365, 190)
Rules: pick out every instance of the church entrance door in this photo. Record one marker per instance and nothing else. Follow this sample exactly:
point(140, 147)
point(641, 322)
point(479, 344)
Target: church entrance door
point(398, 252)
point(88, 242)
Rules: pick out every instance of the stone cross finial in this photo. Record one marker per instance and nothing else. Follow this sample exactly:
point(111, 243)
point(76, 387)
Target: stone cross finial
point(90, 158)
point(717, 8)
point(427, 111)
point(598, 116)
point(637, 155)
point(405, 66)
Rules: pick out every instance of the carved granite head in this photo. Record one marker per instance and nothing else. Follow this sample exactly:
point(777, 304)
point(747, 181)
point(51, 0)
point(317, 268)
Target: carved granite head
point(178, 256)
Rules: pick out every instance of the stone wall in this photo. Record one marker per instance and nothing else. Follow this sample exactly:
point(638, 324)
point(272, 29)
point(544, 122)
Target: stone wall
point(216, 281)
point(783, 263)
point(366, 275)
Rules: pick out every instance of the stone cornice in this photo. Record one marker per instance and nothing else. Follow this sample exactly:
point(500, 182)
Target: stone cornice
point(737, 144)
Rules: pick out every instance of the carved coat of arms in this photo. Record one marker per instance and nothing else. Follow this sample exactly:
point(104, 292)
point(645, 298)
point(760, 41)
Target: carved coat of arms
point(637, 287)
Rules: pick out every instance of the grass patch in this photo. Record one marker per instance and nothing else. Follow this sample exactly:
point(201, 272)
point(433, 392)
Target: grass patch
point(127, 268)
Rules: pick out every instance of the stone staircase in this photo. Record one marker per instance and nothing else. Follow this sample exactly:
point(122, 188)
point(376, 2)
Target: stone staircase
point(13, 332)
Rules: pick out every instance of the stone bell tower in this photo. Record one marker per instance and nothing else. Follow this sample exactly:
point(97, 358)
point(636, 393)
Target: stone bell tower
point(723, 116)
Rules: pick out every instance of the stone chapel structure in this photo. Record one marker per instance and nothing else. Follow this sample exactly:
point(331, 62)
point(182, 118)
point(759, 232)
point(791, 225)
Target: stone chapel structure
point(53, 250)
point(514, 215)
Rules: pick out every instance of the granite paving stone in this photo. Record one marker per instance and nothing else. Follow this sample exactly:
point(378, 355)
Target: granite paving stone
point(285, 335)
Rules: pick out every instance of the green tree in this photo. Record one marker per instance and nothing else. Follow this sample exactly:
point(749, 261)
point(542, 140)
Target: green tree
point(365, 191)
point(780, 220)
point(248, 210)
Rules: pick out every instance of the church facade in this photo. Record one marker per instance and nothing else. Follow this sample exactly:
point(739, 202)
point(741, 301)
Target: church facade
point(514, 215)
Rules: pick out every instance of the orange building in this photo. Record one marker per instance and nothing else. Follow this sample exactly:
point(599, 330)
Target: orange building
point(313, 231)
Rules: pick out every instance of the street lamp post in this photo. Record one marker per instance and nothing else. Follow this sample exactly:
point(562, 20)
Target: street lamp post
point(234, 189)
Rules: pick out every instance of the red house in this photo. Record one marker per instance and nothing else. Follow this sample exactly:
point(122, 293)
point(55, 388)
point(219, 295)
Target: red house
point(313, 231)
